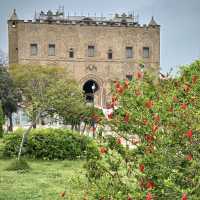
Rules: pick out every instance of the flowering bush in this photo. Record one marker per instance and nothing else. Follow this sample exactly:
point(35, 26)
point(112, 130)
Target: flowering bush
point(165, 162)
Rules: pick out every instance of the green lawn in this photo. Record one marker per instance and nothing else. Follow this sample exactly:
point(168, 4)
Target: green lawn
point(45, 181)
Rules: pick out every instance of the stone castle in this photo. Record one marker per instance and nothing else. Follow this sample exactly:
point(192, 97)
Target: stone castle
point(95, 50)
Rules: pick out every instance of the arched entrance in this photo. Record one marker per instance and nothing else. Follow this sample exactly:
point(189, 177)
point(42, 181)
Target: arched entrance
point(90, 87)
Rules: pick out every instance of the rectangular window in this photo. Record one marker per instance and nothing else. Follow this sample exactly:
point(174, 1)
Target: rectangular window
point(90, 51)
point(129, 52)
point(34, 50)
point(145, 52)
point(110, 55)
point(71, 53)
point(52, 50)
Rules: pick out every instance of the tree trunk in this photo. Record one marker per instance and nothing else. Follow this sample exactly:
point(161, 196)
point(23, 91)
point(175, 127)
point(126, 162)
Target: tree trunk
point(34, 118)
point(10, 128)
point(1, 130)
point(79, 127)
point(34, 125)
point(25, 135)
point(84, 128)
point(72, 126)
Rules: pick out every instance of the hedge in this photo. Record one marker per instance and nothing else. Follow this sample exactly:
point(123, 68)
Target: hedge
point(50, 144)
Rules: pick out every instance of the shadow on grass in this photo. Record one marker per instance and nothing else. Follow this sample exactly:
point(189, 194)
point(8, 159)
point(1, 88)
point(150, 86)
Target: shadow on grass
point(20, 166)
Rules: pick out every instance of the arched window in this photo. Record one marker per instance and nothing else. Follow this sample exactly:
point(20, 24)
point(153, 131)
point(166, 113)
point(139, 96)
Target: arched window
point(110, 54)
point(14, 24)
point(89, 88)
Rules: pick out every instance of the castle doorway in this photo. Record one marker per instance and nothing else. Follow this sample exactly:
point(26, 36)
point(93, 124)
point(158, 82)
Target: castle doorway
point(90, 87)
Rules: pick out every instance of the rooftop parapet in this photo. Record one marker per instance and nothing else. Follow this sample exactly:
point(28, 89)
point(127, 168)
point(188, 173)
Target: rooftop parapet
point(60, 17)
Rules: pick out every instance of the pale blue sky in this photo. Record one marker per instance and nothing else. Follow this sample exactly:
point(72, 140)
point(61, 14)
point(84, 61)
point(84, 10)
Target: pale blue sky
point(179, 20)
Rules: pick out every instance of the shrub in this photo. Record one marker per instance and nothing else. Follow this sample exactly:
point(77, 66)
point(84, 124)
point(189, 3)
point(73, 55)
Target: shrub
point(11, 143)
point(49, 144)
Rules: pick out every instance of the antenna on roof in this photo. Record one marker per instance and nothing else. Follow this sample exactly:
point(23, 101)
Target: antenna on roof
point(101, 16)
point(63, 11)
point(110, 15)
point(137, 18)
point(35, 15)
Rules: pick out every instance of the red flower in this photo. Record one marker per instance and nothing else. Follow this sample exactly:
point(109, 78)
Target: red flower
point(170, 109)
point(189, 134)
point(117, 84)
point(110, 116)
point(129, 197)
point(175, 99)
point(149, 104)
point(149, 196)
point(62, 194)
point(149, 138)
point(126, 118)
point(138, 92)
point(126, 83)
point(112, 105)
point(154, 128)
point(189, 157)
point(120, 89)
point(194, 79)
point(145, 121)
point(134, 141)
point(138, 74)
point(103, 150)
point(119, 141)
point(183, 106)
point(184, 196)
point(156, 118)
point(114, 99)
point(150, 185)
point(141, 167)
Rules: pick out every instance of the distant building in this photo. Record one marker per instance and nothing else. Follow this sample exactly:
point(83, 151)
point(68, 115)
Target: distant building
point(3, 59)
point(95, 50)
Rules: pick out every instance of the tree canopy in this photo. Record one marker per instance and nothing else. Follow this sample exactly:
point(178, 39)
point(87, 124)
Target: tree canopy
point(46, 89)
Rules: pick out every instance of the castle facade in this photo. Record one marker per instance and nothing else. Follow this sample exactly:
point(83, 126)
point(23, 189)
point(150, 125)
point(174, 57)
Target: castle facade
point(95, 50)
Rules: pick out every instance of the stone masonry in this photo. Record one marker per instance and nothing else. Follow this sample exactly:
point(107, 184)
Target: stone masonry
point(95, 50)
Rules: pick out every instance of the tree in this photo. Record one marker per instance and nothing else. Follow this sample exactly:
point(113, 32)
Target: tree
point(9, 95)
point(68, 101)
point(46, 90)
point(1, 121)
point(164, 162)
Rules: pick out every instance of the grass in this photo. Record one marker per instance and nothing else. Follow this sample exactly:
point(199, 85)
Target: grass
point(45, 181)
